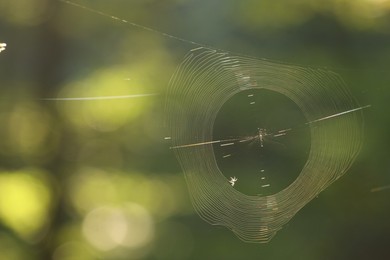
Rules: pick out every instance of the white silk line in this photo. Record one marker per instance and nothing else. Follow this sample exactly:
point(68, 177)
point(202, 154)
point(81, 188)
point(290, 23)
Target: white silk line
point(97, 98)
point(338, 114)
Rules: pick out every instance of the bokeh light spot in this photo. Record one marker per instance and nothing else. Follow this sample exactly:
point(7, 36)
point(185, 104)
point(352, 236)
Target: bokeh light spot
point(25, 201)
point(106, 228)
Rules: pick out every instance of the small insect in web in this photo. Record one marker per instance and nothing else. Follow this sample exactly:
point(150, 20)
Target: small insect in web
point(233, 181)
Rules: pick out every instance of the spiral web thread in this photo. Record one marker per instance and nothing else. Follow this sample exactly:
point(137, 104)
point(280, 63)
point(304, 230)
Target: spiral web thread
point(203, 82)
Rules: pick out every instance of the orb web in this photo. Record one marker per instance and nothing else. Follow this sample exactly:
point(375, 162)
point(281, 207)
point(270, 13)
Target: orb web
point(198, 90)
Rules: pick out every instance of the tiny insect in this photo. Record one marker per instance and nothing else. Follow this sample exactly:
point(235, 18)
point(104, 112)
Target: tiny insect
point(233, 180)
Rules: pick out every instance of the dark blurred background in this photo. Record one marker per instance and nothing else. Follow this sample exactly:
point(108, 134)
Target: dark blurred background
point(96, 180)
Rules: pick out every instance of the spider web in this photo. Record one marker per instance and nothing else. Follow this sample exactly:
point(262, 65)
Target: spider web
point(198, 90)
point(204, 83)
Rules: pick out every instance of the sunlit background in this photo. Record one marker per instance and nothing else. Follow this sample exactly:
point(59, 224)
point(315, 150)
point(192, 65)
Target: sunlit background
point(95, 179)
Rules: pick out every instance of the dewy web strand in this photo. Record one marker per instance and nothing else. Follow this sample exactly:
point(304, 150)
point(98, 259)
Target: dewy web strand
point(145, 28)
point(199, 88)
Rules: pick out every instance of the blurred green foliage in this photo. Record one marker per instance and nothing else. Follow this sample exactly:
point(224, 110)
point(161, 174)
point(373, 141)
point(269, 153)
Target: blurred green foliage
point(95, 179)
